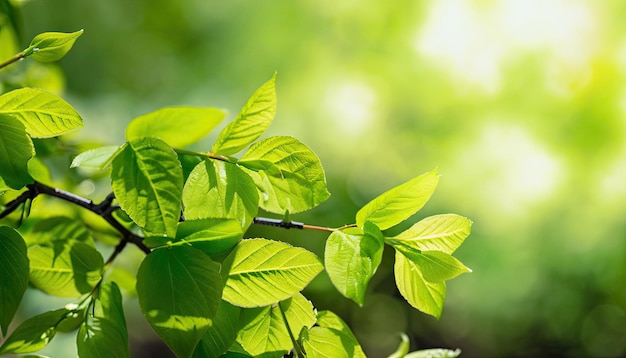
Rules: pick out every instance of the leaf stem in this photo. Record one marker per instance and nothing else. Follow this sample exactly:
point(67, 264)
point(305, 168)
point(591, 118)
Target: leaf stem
point(13, 59)
point(210, 155)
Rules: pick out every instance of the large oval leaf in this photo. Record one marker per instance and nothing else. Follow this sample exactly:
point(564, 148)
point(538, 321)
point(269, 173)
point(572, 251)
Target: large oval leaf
point(43, 114)
point(14, 277)
point(397, 204)
point(440, 232)
point(177, 126)
point(424, 295)
point(179, 290)
point(16, 149)
point(261, 272)
point(147, 180)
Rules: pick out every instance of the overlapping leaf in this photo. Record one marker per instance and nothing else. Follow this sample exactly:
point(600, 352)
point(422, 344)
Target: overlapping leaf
point(147, 180)
point(34, 333)
point(16, 149)
point(97, 158)
point(212, 236)
point(222, 334)
point(14, 277)
point(288, 174)
point(261, 272)
point(440, 232)
point(331, 338)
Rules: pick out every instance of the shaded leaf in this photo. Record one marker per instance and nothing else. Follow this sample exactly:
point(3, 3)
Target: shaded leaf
point(222, 334)
point(34, 333)
point(16, 149)
point(14, 277)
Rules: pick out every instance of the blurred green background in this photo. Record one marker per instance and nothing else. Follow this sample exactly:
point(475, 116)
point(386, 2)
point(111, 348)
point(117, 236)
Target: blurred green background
point(520, 103)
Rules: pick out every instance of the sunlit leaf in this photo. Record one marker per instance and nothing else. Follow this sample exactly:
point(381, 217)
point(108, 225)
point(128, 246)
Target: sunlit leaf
point(177, 126)
point(397, 204)
point(14, 277)
point(212, 236)
point(34, 333)
point(43, 114)
point(215, 189)
point(434, 353)
point(435, 266)
point(331, 338)
point(52, 46)
point(289, 174)
point(261, 272)
point(58, 228)
point(147, 180)
point(221, 335)
point(179, 290)
point(424, 295)
point(440, 232)
point(253, 119)
point(97, 158)
point(16, 149)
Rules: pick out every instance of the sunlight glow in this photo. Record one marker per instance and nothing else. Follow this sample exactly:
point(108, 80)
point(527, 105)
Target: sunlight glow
point(350, 107)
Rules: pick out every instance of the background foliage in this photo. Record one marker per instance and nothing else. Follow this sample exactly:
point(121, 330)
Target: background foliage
point(520, 103)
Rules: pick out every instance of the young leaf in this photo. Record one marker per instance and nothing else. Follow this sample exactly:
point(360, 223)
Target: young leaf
point(260, 272)
point(440, 232)
point(222, 334)
point(14, 277)
point(435, 266)
point(97, 158)
point(52, 46)
point(215, 189)
point(211, 236)
point(147, 180)
point(397, 204)
point(179, 290)
point(331, 338)
point(351, 259)
point(263, 329)
point(288, 174)
point(103, 334)
point(424, 295)
point(177, 126)
point(253, 119)
point(16, 149)
point(43, 114)
point(34, 333)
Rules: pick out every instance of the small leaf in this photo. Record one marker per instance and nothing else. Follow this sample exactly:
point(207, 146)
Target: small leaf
point(397, 204)
point(426, 296)
point(331, 338)
point(435, 266)
point(253, 119)
point(289, 175)
point(212, 236)
point(222, 333)
point(440, 232)
point(177, 126)
point(52, 46)
point(43, 114)
point(215, 189)
point(351, 259)
point(434, 353)
point(14, 277)
point(147, 180)
point(261, 272)
point(34, 333)
point(97, 158)
point(179, 290)
point(16, 149)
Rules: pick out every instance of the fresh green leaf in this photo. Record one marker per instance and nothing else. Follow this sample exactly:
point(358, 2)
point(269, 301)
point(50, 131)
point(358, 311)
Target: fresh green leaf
point(58, 229)
point(331, 338)
point(403, 347)
point(52, 46)
point(34, 333)
point(16, 149)
point(424, 295)
point(260, 272)
point(440, 232)
point(97, 158)
point(253, 119)
point(43, 114)
point(263, 329)
point(14, 277)
point(351, 259)
point(147, 180)
point(216, 189)
point(288, 174)
point(222, 334)
point(435, 266)
point(397, 204)
point(103, 334)
point(434, 353)
point(177, 126)
point(65, 268)
point(39, 171)
point(179, 290)
point(212, 236)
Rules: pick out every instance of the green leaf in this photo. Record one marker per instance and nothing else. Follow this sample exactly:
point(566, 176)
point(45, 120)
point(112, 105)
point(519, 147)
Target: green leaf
point(403, 347)
point(97, 158)
point(16, 149)
point(397, 204)
point(435, 266)
point(103, 333)
point(177, 126)
point(179, 290)
point(58, 229)
point(147, 180)
point(331, 338)
point(65, 268)
point(440, 232)
point(351, 259)
point(261, 272)
point(52, 46)
point(34, 333)
point(434, 353)
point(39, 171)
point(263, 329)
point(212, 236)
point(14, 277)
point(253, 119)
point(216, 189)
point(222, 334)
point(43, 114)
point(424, 295)
point(288, 174)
